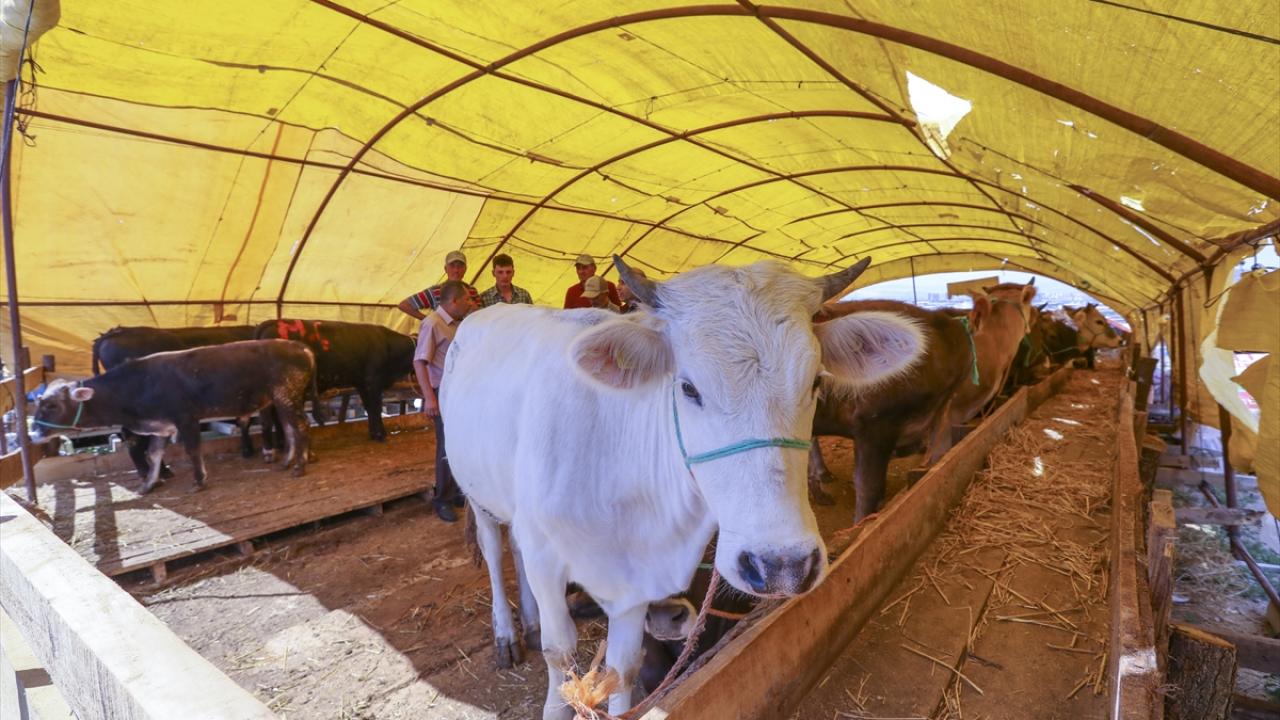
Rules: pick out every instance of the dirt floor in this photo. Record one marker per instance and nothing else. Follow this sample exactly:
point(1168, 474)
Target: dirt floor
point(361, 616)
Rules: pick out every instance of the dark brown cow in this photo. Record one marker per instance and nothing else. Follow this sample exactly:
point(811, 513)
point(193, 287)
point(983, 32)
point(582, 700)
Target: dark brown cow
point(167, 394)
point(121, 344)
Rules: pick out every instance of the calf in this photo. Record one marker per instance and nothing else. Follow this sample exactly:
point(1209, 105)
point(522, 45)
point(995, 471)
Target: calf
point(669, 622)
point(369, 358)
point(166, 394)
point(121, 344)
point(904, 411)
point(700, 415)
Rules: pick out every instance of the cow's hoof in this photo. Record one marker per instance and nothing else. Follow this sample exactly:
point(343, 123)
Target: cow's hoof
point(507, 653)
point(198, 487)
point(533, 639)
point(166, 473)
point(820, 496)
point(268, 456)
point(246, 453)
point(148, 487)
point(299, 470)
point(378, 438)
point(311, 457)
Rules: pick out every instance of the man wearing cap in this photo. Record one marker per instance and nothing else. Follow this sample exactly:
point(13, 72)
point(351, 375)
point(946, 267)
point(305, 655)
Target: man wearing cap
point(573, 297)
point(455, 266)
point(595, 292)
point(503, 290)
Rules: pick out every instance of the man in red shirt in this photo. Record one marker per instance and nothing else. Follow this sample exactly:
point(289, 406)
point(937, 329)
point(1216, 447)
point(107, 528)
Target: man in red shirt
point(586, 267)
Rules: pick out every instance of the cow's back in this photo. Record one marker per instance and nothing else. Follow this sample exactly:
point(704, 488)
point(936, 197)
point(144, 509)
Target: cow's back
point(911, 398)
point(219, 379)
point(347, 354)
point(120, 344)
point(509, 391)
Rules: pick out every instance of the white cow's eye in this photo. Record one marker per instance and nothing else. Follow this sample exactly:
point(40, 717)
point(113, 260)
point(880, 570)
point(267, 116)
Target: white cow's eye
point(691, 392)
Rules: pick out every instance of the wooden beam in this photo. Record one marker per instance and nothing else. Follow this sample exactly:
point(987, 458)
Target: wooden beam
point(33, 377)
point(1230, 517)
point(110, 657)
point(1134, 669)
point(1202, 672)
point(1255, 652)
point(1161, 533)
point(807, 634)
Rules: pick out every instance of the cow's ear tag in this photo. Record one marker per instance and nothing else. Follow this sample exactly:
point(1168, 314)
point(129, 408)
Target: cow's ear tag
point(82, 394)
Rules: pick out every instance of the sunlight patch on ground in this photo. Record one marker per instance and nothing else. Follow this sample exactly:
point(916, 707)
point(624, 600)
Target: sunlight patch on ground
point(1053, 434)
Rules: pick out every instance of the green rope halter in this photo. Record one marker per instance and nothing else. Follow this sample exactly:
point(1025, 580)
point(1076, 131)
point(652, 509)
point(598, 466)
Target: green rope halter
point(726, 451)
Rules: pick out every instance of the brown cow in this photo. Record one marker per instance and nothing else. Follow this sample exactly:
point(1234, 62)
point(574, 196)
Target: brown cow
point(1000, 319)
point(910, 409)
point(946, 387)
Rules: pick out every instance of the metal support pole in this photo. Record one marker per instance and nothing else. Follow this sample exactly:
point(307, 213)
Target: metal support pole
point(1228, 472)
point(1183, 422)
point(11, 277)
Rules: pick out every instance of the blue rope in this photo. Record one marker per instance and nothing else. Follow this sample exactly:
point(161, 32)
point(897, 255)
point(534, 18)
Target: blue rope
point(726, 451)
point(973, 372)
point(75, 424)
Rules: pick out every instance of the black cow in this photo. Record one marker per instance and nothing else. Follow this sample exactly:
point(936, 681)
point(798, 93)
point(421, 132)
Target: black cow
point(369, 358)
point(120, 344)
point(167, 394)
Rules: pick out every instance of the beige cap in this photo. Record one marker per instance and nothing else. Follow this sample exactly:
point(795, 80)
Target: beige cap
point(594, 286)
point(455, 256)
point(584, 259)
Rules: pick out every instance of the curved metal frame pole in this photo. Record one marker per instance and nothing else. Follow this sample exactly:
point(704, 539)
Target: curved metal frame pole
point(11, 277)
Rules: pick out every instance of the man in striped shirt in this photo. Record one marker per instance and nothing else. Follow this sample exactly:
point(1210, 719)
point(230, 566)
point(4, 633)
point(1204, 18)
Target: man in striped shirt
point(503, 290)
point(418, 304)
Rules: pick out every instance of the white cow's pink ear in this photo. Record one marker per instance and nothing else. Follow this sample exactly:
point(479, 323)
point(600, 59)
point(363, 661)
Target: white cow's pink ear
point(621, 354)
point(82, 394)
point(866, 348)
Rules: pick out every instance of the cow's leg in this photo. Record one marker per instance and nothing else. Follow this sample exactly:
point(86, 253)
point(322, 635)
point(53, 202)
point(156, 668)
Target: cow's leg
point(939, 435)
point(817, 475)
point(624, 652)
point(267, 419)
point(155, 455)
point(292, 417)
point(246, 442)
point(548, 578)
point(371, 398)
point(190, 434)
point(528, 603)
point(137, 447)
point(875, 448)
point(506, 648)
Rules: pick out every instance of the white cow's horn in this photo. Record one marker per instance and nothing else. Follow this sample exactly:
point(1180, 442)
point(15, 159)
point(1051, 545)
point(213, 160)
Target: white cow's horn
point(645, 290)
point(836, 283)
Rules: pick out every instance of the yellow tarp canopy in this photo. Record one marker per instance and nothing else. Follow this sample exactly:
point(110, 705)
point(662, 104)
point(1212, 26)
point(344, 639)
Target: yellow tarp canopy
point(201, 163)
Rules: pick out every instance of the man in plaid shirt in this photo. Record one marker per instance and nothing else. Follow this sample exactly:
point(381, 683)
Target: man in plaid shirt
point(503, 291)
point(420, 303)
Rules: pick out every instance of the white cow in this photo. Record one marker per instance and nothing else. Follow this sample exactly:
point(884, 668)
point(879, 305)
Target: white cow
point(614, 446)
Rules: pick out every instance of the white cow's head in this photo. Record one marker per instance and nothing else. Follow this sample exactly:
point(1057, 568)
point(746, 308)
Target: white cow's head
point(735, 351)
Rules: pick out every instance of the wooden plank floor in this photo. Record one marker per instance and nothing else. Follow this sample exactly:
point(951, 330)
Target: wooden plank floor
point(93, 504)
point(978, 601)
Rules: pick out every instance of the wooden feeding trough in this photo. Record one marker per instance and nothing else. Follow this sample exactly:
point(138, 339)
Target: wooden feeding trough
point(777, 666)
